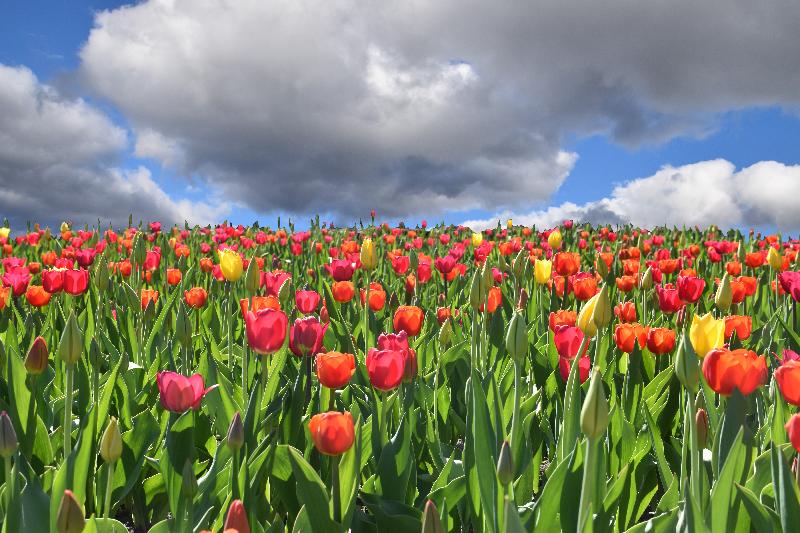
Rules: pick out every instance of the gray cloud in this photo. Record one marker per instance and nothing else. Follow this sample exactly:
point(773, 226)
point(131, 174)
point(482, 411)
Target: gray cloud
point(58, 157)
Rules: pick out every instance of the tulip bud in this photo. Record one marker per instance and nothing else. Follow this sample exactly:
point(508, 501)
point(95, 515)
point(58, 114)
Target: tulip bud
point(741, 253)
point(518, 265)
point(70, 347)
point(252, 278)
point(509, 223)
point(585, 321)
point(554, 239)
point(188, 480)
point(523, 299)
point(283, 292)
point(139, 251)
point(235, 438)
point(687, 366)
point(431, 523)
point(487, 279)
point(505, 465)
point(149, 311)
point(647, 279)
point(37, 358)
point(413, 260)
point(475, 292)
point(101, 274)
point(183, 326)
point(602, 267)
point(324, 316)
point(502, 264)
point(542, 271)
point(701, 425)
point(369, 259)
point(445, 333)
point(602, 312)
point(70, 517)
point(111, 442)
point(774, 259)
point(724, 295)
point(8, 437)
point(517, 337)
point(594, 414)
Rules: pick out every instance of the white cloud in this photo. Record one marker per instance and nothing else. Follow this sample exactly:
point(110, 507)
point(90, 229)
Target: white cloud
point(703, 193)
point(58, 161)
point(425, 107)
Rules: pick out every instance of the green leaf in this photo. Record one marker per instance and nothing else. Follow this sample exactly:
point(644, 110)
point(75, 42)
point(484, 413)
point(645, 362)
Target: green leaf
point(311, 492)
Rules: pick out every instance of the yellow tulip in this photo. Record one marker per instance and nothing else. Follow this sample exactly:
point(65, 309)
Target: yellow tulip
point(111, 442)
point(541, 270)
point(774, 259)
point(4, 232)
point(509, 223)
point(554, 239)
point(706, 333)
point(369, 260)
point(586, 317)
point(230, 263)
point(477, 238)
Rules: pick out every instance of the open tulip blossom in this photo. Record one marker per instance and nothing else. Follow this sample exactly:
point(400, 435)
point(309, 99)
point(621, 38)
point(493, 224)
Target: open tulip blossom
point(390, 377)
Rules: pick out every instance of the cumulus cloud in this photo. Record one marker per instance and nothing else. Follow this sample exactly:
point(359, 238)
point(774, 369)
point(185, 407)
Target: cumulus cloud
point(424, 107)
point(58, 161)
point(708, 192)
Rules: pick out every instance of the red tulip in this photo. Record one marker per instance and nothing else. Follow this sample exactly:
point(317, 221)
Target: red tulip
point(306, 335)
point(343, 291)
point(37, 296)
point(793, 431)
point(625, 311)
point(626, 335)
point(273, 281)
point(17, 278)
point(266, 330)
point(400, 264)
point(584, 365)
point(306, 301)
point(567, 340)
point(174, 276)
point(566, 263)
point(76, 281)
point(340, 269)
point(399, 342)
point(147, 296)
point(385, 368)
point(179, 393)
point(445, 264)
point(690, 288)
point(53, 280)
point(584, 285)
point(495, 299)
point(668, 299)
point(562, 317)
point(335, 369)
point(333, 433)
point(237, 518)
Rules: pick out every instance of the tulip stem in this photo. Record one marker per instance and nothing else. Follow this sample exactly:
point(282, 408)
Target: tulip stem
point(308, 379)
point(68, 376)
point(109, 483)
point(336, 489)
point(9, 484)
point(366, 317)
point(694, 452)
point(235, 476)
point(588, 483)
point(230, 326)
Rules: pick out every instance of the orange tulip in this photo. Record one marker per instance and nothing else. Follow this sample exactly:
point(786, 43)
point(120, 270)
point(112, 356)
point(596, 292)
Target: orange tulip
point(173, 276)
point(660, 340)
point(36, 295)
point(377, 296)
point(195, 297)
point(333, 433)
point(743, 325)
point(625, 335)
point(149, 295)
point(566, 263)
point(788, 377)
point(335, 369)
point(725, 370)
point(626, 283)
point(584, 288)
point(408, 318)
point(343, 291)
point(495, 299)
point(562, 317)
point(625, 311)
point(206, 264)
point(5, 293)
point(258, 303)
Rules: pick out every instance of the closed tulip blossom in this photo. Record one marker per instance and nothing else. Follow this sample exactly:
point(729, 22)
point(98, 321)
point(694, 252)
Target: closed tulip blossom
point(195, 297)
point(793, 431)
point(273, 281)
point(341, 269)
point(385, 368)
point(377, 297)
point(726, 370)
point(625, 311)
point(706, 333)
point(567, 263)
point(76, 281)
point(445, 264)
point(147, 296)
point(542, 270)
point(53, 280)
point(669, 300)
point(179, 393)
point(567, 340)
point(562, 317)
point(690, 288)
point(266, 330)
point(333, 433)
point(660, 341)
point(230, 263)
point(306, 335)
point(237, 518)
point(334, 369)
point(306, 301)
point(408, 318)
point(18, 279)
point(584, 365)
point(626, 335)
point(788, 378)
point(399, 342)
point(37, 296)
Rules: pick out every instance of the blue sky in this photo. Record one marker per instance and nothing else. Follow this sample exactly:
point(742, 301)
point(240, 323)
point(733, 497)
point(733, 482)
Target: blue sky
point(47, 37)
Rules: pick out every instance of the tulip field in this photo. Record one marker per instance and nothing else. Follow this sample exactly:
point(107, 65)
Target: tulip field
point(380, 378)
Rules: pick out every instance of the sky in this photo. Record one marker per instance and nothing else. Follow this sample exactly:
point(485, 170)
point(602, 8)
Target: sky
point(667, 112)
